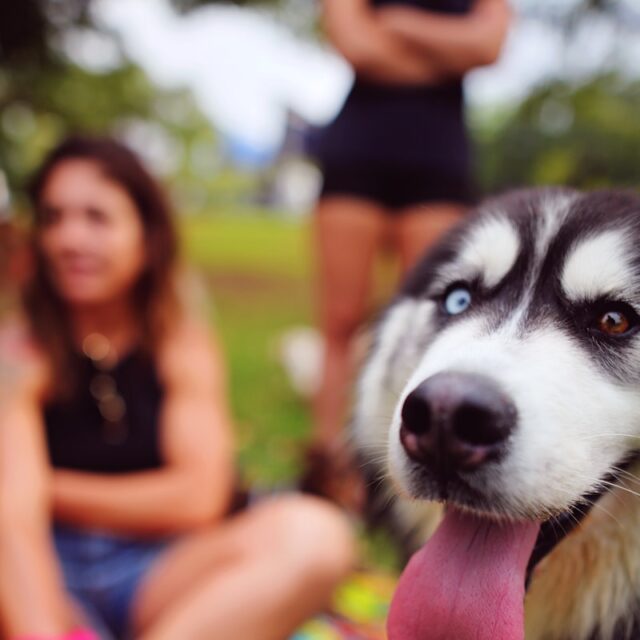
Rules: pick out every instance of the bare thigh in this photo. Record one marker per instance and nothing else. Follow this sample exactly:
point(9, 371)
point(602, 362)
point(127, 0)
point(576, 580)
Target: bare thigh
point(348, 233)
point(275, 530)
point(417, 228)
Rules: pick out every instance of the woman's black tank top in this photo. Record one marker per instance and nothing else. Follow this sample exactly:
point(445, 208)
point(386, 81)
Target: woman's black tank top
point(79, 437)
point(419, 127)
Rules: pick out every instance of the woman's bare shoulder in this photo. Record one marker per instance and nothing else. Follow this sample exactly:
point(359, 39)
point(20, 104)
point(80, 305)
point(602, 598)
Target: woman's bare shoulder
point(190, 350)
point(24, 366)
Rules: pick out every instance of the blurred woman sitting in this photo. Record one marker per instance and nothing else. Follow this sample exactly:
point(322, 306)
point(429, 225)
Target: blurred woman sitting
point(116, 455)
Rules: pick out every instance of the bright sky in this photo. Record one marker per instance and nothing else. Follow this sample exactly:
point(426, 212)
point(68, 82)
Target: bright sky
point(245, 69)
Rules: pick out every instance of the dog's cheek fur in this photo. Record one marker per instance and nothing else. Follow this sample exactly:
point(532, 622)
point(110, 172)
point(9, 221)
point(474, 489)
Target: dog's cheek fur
point(402, 336)
point(398, 346)
point(564, 443)
point(587, 588)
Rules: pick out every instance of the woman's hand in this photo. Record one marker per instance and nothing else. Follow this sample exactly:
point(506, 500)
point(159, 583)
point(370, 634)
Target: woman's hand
point(331, 470)
point(454, 43)
point(375, 53)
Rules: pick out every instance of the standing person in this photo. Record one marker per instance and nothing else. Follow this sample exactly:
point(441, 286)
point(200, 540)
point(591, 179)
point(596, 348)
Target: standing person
point(395, 161)
point(116, 457)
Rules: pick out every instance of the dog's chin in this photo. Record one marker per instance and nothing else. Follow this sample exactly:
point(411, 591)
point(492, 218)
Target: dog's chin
point(477, 496)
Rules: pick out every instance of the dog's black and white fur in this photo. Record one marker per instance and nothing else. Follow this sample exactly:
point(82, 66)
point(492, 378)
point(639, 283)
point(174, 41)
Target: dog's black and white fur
point(539, 293)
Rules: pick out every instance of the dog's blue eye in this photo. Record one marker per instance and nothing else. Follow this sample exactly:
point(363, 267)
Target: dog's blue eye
point(457, 301)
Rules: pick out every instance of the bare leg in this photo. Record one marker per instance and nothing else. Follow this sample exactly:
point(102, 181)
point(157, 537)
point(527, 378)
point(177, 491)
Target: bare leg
point(348, 232)
point(418, 227)
point(32, 594)
point(257, 576)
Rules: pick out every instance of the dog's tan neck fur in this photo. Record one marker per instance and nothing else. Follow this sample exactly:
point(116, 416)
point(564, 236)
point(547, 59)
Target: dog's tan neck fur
point(591, 581)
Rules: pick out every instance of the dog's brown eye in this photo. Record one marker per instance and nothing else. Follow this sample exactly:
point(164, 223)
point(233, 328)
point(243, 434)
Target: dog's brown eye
point(613, 323)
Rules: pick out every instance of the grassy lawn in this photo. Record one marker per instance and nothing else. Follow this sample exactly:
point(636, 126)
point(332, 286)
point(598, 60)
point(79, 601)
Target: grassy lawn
point(257, 272)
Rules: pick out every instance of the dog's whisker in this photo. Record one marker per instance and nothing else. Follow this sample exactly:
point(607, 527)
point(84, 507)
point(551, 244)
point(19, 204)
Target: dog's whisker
point(609, 435)
point(378, 460)
point(599, 507)
point(600, 483)
point(614, 485)
point(627, 475)
point(596, 505)
point(555, 521)
point(388, 498)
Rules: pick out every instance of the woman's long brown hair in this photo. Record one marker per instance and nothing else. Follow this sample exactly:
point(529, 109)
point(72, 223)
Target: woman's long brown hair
point(156, 301)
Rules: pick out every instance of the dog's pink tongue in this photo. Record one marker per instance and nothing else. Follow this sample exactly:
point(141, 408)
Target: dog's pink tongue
point(466, 583)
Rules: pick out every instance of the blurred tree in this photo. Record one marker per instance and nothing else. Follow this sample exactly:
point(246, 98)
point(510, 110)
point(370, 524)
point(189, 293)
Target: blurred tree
point(584, 136)
point(578, 128)
point(27, 27)
point(44, 95)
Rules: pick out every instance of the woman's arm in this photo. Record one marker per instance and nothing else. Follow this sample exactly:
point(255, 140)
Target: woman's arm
point(195, 485)
point(374, 50)
point(32, 595)
point(455, 43)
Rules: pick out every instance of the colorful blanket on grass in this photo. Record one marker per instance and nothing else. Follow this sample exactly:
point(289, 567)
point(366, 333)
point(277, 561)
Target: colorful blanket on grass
point(359, 611)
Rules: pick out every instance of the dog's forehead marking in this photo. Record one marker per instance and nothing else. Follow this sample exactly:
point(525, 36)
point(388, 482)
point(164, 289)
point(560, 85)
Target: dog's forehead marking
point(491, 248)
point(598, 266)
point(551, 213)
point(554, 210)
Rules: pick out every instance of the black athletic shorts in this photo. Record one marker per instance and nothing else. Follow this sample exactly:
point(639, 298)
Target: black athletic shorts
point(397, 188)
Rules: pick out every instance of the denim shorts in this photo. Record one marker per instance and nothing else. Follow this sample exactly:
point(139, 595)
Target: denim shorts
point(102, 572)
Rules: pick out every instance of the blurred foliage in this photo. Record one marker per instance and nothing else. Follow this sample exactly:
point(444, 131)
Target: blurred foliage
point(38, 107)
point(583, 133)
point(584, 136)
point(45, 95)
point(27, 26)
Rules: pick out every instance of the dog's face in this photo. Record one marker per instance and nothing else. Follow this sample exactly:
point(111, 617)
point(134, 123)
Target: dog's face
point(505, 377)
point(504, 381)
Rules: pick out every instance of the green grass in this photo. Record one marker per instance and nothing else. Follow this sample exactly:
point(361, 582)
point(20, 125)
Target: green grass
point(260, 245)
point(257, 274)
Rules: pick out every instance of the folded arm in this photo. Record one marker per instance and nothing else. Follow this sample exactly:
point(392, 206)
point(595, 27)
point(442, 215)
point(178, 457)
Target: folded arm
point(455, 43)
point(375, 51)
point(405, 45)
point(194, 487)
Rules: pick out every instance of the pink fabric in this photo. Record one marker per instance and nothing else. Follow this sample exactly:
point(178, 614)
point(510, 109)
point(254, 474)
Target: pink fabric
point(81, 634)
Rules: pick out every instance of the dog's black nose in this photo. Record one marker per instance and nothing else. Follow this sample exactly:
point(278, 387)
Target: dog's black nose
point(456, 422)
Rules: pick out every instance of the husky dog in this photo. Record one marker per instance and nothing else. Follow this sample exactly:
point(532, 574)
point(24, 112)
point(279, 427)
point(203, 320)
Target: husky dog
point(501, 401)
